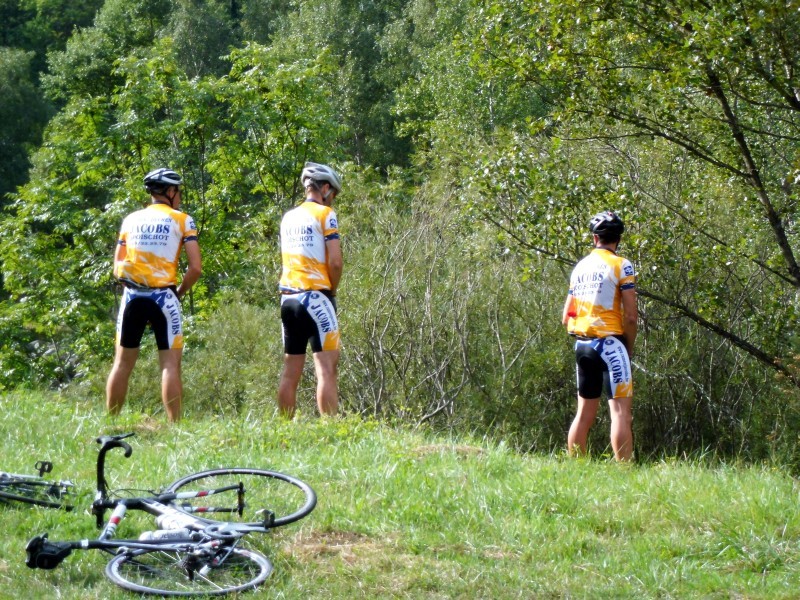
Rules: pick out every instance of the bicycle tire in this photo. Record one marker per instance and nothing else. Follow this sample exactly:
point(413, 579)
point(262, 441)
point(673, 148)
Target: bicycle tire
point(287, 498)
point(37, 493)
point(165, 573)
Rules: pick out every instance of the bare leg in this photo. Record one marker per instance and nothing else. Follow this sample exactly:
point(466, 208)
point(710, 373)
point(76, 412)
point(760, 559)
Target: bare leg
point(290, 379)
point(326, 366)
point(171, 383)
point(621, 431)
point(118, 378)
point(579, 430)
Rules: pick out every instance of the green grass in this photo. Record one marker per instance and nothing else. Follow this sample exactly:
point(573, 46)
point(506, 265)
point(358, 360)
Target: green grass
point(411, 515)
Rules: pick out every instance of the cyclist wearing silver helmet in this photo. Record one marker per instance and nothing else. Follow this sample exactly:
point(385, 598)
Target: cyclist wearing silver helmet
point(601, 312)
point(311, 256)
point(146, 263)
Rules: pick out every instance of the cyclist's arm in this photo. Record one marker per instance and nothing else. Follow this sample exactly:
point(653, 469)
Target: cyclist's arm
point(119, 252)
point(193, 270)
point(119, 256)
point(630, 315)
point(333, 251)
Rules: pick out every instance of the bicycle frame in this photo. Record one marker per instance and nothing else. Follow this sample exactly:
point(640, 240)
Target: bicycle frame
point(44, 554)
point(192, 553)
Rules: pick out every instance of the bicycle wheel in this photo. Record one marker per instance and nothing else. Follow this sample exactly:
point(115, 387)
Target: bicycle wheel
point(40, 493)
point(184, 573)
point(287, 498)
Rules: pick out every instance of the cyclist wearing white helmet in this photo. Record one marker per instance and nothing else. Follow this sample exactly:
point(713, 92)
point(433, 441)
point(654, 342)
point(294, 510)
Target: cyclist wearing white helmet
point(601, 312)
point(311, 255)
point(146, 263)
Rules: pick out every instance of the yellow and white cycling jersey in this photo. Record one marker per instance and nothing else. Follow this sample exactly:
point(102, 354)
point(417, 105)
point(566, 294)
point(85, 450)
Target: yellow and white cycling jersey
point(153, 238)
point(304, 231)
point(596, 287)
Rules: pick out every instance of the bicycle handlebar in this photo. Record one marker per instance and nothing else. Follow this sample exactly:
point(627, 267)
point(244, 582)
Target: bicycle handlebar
point(107, 442)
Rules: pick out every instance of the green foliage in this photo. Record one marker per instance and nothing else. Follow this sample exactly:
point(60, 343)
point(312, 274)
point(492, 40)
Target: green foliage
point(261, 19)
point(234, 363)
point(21, 117)
point(240, 142)
point(432, 334)
point(476, 139)
point(703, 78)
point(684, 105)
point(351, 32)
point(85, 67)
point(203, 34)
point(42, 26)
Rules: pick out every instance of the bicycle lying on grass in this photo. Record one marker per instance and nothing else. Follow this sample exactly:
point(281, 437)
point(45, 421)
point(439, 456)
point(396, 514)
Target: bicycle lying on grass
point(189, 554)
point(34, 489)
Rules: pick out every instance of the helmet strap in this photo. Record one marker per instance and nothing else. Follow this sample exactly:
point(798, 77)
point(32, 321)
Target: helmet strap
point(316, 187)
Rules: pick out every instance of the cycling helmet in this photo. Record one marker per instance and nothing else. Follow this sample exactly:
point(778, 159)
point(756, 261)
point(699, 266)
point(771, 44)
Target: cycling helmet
point(159, 180)
point(607, 224)
point(321, 173)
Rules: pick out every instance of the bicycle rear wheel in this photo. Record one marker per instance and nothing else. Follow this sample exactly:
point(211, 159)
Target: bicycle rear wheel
point(287, 498)
point(40, 493)
point(182, 573)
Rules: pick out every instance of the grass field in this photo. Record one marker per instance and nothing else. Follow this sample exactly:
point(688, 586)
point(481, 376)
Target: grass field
point(411, 515)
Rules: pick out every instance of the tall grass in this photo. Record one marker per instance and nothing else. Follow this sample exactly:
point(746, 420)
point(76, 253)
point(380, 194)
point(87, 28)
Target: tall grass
point(406, 514)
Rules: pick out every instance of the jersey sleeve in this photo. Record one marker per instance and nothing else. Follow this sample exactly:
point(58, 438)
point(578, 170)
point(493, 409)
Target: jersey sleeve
point(330, 227)
point(190, 230)
point(627, 279)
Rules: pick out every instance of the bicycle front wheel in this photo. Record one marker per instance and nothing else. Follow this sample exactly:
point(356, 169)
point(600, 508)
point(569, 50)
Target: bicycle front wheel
point(287, 498)
point(182, 573)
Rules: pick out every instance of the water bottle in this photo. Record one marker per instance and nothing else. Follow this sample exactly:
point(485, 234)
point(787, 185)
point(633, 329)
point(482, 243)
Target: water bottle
point(166, 534)
point(174, 519)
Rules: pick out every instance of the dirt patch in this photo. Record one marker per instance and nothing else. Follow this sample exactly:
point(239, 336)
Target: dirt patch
point(459, 449)
point(151, 425)
point(346, 545)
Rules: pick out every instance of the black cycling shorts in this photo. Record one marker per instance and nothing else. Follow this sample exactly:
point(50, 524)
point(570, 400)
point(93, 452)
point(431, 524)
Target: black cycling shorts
point(603, 364)
point(309, 317)
point(160, 309)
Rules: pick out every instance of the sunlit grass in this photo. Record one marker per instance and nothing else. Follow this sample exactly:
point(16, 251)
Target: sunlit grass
point(410, 515)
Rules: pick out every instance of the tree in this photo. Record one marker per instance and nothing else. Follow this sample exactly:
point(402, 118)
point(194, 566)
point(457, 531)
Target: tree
point(717, 83)
point(350, 32)
point(203, 34)
point(85, 67)
point(22, 114)
point(239, 141)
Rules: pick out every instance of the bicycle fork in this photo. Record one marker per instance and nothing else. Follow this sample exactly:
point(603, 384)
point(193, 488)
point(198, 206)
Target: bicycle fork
point(116, 516)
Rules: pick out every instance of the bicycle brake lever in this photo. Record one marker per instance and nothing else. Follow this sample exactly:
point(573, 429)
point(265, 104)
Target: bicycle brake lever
point(41, 554)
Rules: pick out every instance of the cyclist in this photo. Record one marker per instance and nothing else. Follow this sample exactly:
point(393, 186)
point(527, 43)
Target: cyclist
point(601, 311)
point(311, 255)
point(146, 263)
